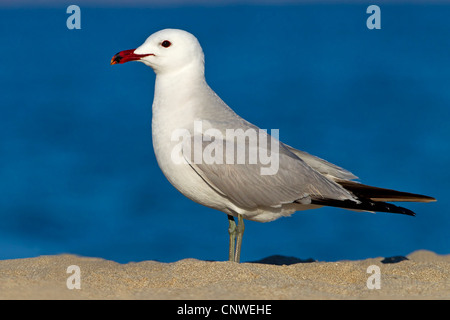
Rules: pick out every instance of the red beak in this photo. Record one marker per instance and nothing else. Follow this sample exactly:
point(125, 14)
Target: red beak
point(127, 55)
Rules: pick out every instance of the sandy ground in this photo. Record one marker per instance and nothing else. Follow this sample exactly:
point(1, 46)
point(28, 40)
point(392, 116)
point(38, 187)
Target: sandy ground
point(420, 275)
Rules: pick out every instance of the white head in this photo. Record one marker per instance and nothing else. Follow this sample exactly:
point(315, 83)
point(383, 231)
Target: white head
point(166, 51)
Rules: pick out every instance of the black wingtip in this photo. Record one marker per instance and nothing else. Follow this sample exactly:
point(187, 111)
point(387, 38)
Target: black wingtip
point(389, 207)
point(382, 194)
point(364, 205)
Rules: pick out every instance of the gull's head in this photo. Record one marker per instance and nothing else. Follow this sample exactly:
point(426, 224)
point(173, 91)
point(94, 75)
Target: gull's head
point(165, 51)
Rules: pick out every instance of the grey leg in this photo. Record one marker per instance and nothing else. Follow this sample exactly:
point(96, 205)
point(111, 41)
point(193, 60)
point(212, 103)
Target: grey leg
point(232, 232)
point(240, 232)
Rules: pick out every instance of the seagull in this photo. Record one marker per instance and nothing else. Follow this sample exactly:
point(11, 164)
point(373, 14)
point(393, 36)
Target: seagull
point(191, 127)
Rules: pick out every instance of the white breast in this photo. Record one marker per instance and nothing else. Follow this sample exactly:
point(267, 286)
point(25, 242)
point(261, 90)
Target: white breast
point(164, 123)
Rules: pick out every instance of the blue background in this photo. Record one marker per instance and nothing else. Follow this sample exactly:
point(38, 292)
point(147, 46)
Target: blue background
point(77, 169)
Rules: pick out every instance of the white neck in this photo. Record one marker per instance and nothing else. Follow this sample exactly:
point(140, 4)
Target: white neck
point(175, 85)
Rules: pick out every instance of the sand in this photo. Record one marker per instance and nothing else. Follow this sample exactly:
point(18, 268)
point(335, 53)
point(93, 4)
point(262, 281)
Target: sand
point(420, 275)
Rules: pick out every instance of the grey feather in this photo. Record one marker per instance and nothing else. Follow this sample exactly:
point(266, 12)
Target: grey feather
point(323, 166)
point(247, 188)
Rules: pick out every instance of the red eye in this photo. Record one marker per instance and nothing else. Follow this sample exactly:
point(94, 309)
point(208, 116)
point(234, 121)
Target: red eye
point(166, 43)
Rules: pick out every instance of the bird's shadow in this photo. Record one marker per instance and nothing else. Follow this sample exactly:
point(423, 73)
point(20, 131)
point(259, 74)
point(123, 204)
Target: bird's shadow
point(395, 259)
point(280, 260)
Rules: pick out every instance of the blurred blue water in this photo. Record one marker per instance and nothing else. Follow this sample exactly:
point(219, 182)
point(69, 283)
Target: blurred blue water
point(77, 169)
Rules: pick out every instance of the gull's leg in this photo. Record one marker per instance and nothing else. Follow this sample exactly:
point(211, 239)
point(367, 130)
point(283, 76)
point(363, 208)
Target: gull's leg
point(232, 232)
point(240, 232)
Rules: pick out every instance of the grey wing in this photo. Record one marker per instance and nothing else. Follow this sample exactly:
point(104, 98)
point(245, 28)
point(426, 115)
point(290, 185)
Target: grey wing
point(247, 187)
point(324, 167)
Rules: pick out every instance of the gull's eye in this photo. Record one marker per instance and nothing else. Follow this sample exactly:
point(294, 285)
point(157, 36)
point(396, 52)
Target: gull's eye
point(166, 43)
